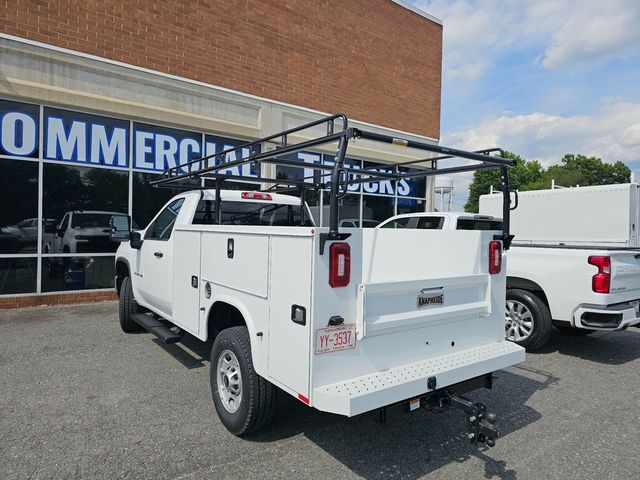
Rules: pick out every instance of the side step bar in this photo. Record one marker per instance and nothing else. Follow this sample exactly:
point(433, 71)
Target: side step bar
point(158, 329)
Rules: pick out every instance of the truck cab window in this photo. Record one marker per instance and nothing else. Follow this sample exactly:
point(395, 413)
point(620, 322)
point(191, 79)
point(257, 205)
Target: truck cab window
point(162, 226)
point(478, 224)
point(271, 214)
point(65, 223)
point(422, 223)
point(205, 213)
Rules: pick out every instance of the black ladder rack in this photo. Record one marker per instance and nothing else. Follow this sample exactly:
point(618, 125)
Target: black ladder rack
point(337, 129)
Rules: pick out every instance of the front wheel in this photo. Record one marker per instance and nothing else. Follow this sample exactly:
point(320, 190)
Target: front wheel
point(244, 401)
point(128, 308)
point(527, 320)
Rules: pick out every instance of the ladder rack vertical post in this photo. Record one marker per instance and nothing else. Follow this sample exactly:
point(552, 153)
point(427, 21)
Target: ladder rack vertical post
point(335, 179)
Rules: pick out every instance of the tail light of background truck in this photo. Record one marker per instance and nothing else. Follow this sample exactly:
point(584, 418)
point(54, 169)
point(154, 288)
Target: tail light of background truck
point(601, 281)
point(495, 257)
point(339, 264)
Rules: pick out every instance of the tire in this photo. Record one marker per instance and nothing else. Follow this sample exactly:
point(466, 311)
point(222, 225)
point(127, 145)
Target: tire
point(527, 320)
point(128, 307)
point(576, 332)
point(244, 401)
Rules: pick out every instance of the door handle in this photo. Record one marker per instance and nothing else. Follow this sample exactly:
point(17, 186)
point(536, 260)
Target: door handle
point(157, 254)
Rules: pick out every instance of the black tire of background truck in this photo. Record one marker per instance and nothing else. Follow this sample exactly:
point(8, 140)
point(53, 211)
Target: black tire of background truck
point(576, 332)
point(258, 396)
point(542, 324)
point(128, 307)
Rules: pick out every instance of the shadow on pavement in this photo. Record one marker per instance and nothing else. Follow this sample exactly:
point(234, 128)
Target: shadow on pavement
point(610, 348)
point(190, 352)
point(412, 445)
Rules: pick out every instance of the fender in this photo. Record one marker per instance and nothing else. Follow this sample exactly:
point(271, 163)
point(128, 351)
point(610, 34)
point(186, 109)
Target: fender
point(258, 344)
point(234, 303)
point(121, 259)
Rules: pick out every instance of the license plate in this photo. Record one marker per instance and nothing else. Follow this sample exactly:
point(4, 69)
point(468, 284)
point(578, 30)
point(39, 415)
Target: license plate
point(334, 339)
point(636, 305)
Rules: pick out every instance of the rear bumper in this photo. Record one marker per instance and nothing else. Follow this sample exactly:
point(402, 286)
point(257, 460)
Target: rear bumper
point(362, 394)
point(606, 317)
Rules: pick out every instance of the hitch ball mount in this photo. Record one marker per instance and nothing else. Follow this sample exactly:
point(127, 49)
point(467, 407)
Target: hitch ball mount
point(482, 429)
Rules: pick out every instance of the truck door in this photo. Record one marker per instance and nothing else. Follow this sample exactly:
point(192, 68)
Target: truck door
point(289, 315)
point(155, 260)
point(186, 280)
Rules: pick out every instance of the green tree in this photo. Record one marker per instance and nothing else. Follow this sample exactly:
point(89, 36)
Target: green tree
point(521, 174)
point(583, 170)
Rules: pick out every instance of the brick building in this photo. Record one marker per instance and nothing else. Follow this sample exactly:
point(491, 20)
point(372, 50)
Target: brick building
point(97, 97)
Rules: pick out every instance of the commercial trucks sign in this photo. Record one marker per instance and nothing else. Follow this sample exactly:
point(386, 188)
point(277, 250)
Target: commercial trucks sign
point(32, 131)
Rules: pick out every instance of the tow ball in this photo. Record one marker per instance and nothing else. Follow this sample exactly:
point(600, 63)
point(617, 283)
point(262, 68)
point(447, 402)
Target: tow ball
point(482, 429)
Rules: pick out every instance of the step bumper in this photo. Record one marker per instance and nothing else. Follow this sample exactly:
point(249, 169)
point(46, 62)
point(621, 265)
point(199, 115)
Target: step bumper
point(362, 394)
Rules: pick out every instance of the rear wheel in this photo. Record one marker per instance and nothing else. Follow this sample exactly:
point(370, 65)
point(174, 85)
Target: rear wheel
point(244, 401)
point(527, 319)
point(128, 308)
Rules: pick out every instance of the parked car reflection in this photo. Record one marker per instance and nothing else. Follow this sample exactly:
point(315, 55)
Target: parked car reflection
point(21, 237)
point(80, 231)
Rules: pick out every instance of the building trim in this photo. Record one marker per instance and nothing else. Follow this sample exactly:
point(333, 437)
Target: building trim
point(417, 11)
point(129, 66)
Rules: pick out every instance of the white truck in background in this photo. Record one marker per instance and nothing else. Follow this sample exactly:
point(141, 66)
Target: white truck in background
point(603, 215)
point(574, 262)
point(342, 319)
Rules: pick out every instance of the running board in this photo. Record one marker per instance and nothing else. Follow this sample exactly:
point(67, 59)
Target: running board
point(158, 328)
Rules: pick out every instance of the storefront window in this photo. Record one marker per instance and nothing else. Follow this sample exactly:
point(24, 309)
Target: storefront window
point(17, 275)
point(375, 209)
point(18, 206)
point(77, 273)
point(410, 205)
point(78, 204)
point(348, 213)
point(148, 200)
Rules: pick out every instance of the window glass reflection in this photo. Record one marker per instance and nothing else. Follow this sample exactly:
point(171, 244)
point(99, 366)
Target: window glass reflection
point(77, 273)
point(376, 208)
point(18, 206)
point(348, 213)
point(17, 275)
point(78, 204)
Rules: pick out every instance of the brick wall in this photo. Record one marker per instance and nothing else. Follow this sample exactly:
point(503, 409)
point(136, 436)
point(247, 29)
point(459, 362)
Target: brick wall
point(20, 301)
point(372, 59)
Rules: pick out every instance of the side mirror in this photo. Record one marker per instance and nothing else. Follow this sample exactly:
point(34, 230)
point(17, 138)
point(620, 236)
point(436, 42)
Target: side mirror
point(119, 228)
point(50, 226)
point(136, 240)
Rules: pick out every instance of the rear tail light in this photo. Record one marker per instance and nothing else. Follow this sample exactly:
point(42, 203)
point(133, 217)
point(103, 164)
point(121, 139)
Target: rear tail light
point(256, 196)
point(339, 264)
point(601, 281)
point(495, 257)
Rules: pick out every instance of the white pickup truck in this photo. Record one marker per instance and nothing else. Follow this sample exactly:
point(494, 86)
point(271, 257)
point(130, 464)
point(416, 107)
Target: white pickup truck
point(574, 262)
point(577, 289)
point(346, 321)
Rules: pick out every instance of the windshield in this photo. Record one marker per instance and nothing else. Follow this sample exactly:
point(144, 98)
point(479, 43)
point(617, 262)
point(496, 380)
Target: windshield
point(89, 220)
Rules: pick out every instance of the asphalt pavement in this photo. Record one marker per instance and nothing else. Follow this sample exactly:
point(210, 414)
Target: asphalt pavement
point(80, 399)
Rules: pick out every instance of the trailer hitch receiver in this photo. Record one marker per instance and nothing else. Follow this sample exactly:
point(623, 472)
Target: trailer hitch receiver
point(481, 425)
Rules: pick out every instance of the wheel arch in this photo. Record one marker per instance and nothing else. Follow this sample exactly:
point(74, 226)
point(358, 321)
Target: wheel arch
point(529, 285)
point(226, 312)
point(122, 270)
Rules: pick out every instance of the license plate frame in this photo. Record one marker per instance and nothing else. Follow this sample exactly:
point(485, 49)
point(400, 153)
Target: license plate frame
point(335, 339)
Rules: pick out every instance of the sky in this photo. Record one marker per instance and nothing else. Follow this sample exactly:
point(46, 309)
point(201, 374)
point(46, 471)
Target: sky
point(540, 78)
